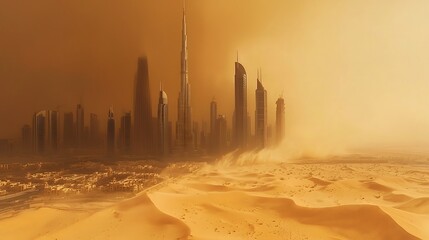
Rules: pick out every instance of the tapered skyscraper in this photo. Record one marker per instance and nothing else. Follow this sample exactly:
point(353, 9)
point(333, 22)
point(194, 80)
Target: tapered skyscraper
point(142, 109)
point(163, 123)
point(184, 137)
point(280, 119)
point(261, 114)
point(69, 131)
point(240, 111)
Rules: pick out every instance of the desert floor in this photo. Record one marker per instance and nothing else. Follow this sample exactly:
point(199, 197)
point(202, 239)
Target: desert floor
point(251, 201)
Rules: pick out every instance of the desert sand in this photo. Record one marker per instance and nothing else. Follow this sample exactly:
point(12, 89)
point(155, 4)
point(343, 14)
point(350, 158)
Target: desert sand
point(270, 200)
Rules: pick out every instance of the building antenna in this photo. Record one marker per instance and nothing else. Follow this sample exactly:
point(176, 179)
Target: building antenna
point(257, 74)
point(237, 55)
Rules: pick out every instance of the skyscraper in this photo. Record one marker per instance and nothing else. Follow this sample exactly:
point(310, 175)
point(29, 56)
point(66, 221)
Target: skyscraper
point(68, 130)
point(39, 132)
point(110, 132)
point(221, 137)
point(280, 119)
point(125, 132)
point(213, 117)
point(53, 129)
point(240, 111)
point(80, 125)
point(45, 131)
point(184, 136)
point(142, 109)
point(163, 123)
point(261, 114)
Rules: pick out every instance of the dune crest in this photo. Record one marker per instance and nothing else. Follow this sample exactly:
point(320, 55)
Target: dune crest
point(130, 219)
point(418, 205)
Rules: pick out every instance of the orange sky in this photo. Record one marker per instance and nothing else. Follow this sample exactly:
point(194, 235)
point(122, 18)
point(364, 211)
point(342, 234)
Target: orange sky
point(354, 73)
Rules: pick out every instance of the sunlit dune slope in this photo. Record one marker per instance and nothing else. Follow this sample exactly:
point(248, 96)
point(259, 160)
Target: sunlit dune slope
point(130, 219)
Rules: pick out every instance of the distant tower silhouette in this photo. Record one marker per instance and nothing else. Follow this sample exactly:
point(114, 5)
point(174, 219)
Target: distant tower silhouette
point(80, 126)
point(261, 114)
point(45, 131)
point(110, 132)
point(142, 109)
point(280, 119)
point(221, 137)
point(39, 131)
point(69, 131)
point(213, 120)
point(204, 135)
point(163, 123)
point(240, 111)
point(184, 136)
point(125, 132)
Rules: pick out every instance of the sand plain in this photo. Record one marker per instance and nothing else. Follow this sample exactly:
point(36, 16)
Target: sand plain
point(269, 200)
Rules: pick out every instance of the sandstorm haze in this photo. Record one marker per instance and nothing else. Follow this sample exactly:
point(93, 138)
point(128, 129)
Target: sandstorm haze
point(354, 74)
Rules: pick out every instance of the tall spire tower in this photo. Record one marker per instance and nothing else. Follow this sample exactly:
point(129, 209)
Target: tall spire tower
point(184, 138)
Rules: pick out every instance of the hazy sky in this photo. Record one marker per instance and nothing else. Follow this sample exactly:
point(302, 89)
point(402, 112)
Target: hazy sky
point(354, 73)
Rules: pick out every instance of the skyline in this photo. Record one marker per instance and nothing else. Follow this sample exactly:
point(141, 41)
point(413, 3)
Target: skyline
point(391, 96)
point(148, 120)
point(151, 135)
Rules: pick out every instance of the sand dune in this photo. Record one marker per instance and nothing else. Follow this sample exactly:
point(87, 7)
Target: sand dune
point(238, 215)
point(254, 201)
point(130, 219)
point(335, 202)
point(418, 205)
point(34, 223)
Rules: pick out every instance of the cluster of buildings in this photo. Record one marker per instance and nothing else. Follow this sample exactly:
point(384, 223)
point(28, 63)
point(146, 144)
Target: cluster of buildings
point(38, 177)
point(139, 132)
